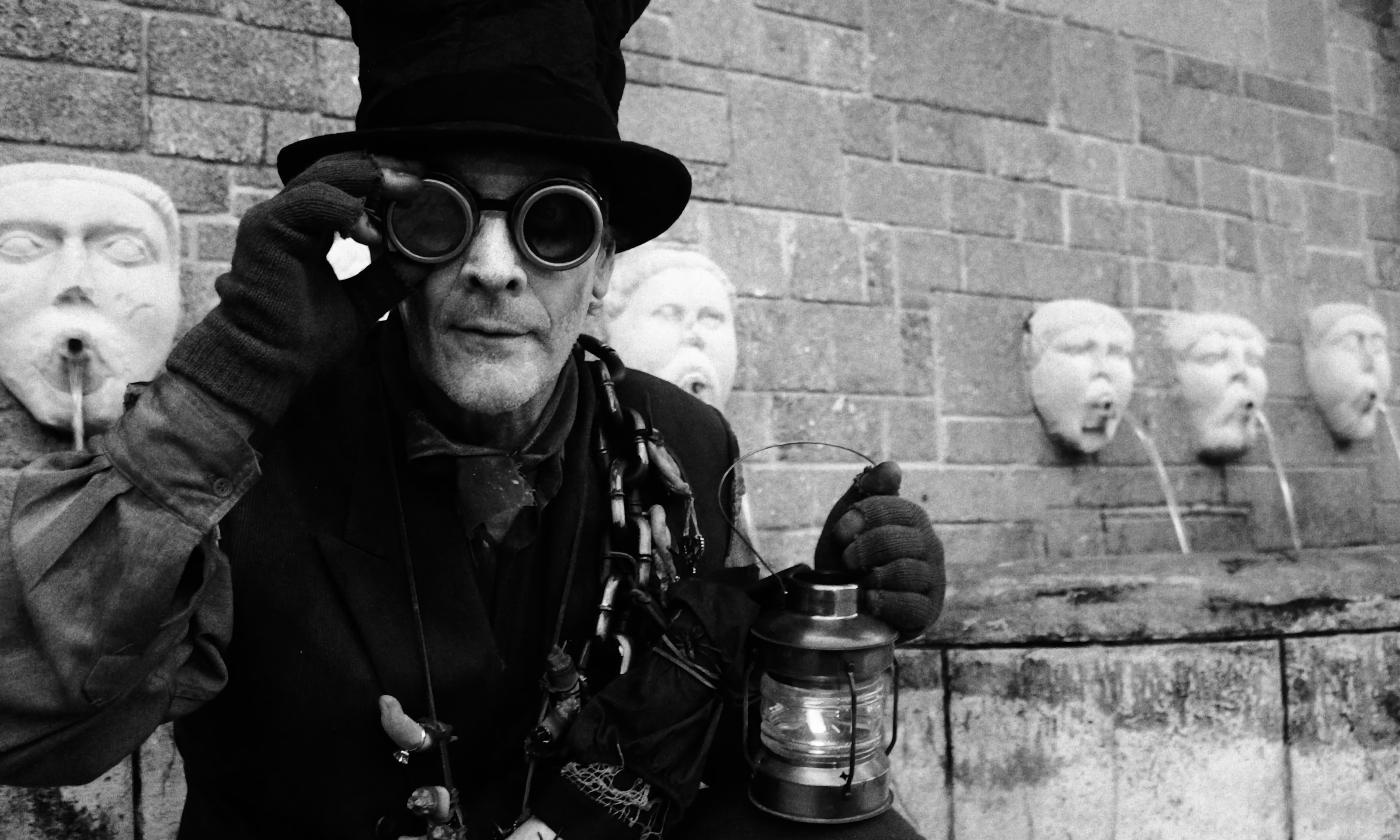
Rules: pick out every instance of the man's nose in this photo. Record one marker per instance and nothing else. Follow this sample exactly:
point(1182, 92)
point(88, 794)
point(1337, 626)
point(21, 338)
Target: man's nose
point(491, 261)
point(72, 276)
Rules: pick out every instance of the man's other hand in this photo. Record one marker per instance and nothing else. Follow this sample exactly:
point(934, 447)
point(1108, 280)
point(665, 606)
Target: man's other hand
point(889, 542)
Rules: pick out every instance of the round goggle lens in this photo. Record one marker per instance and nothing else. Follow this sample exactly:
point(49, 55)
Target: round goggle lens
point(434, 226)
point(560, 226)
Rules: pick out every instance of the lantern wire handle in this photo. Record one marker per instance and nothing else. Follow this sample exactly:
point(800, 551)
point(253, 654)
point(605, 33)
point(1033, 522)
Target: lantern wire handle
point(728, 520)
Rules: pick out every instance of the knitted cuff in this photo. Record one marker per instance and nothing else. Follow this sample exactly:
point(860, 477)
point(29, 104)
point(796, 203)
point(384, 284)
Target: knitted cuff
point(236, 368)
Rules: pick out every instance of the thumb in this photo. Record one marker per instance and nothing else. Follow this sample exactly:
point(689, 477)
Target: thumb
point(880, 480)
point(883, 479)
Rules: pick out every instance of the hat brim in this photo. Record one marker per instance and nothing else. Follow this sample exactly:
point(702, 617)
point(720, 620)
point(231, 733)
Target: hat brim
point(646, 189)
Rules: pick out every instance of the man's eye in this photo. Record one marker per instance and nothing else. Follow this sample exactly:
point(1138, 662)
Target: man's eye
point(22, 245)
point(126, 250)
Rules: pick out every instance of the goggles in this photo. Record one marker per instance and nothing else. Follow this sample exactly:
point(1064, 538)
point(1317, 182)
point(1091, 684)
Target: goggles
point(556, 223)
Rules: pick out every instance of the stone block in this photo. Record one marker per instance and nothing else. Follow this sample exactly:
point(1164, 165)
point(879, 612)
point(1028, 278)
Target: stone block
point(917, 360)
point(1072, 735)
point(869, 127)
point(1145, 173)
point(284, 128)
point(998, 440)
point(1102, 224)
point(774, 119)
point(1364, 167)
point(228, 62)
point(973, 543)
point(1039, 272)
point(983, 205)
point(1042, 216)
point(1278, 201)
point(1151, 61)
point(1184, 236)
point(965, 494)
point(1206, 75)
point(1094, 91)
point(1333, 217)
point(785, 495)
point(751, 246)
point(194, 186)
point(1240, 251)
point(1298, 39)
point(1024, 152)
point(918, 764)
point(840, 12)
point(941, 138)
point(1288, 94)
point(1387, 261)
point(71, 33)
point(800, 50)
point(912, 428)
point(1193, 121)
point(1225, 187)
point(817, 347)
point(901, 194)
point(1344, 735)
point(338, 68)
point(927, 263)
point(978, 344)
point(1153, 532)
point(1305, 145)
point(1351, 79)
point(651, 34)
point(206, 130)
point(857, 422)
point(1183, 187)
point(687, 123)
point(826, 265)
point(960, 56)
point(1332, 505)
point(321, 17)
point(100, 809)
point(50, 103)
point(877, 262)
point(1369, 129)
point(214, 241)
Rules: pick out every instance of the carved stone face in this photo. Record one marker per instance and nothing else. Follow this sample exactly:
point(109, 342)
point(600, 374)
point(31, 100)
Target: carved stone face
point(87, 268)
point(1220, 371)
point(1347, 366)
point(1081, 371)
point(678, 324)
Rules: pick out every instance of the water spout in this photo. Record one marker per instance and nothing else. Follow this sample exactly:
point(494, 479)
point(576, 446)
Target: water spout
point(1283, 485)
point(75, 361)
point(1390, 429)
point(1156, 457)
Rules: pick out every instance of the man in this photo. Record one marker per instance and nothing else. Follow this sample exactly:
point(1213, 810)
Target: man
point(364, 566)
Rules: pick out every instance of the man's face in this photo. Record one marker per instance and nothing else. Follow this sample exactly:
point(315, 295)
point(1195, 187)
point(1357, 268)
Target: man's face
point(1223, 382)
point(1348, 371)
point(85, 268)
point(679, 325)
point(1082, 382)
point(490, 330)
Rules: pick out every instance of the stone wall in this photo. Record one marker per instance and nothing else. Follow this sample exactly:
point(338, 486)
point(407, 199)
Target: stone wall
point(893, 185)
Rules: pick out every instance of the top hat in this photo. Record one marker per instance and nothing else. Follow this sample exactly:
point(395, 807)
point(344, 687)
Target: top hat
point(534, 75)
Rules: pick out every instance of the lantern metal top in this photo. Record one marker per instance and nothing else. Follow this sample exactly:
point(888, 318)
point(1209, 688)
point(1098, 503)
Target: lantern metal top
point(821, 621)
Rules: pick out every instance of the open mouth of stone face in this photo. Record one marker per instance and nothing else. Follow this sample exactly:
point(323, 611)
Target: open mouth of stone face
point(696, 384)
point(74, 361)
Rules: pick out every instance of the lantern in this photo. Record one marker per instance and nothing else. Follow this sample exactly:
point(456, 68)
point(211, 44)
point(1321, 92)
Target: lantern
point(826, 674)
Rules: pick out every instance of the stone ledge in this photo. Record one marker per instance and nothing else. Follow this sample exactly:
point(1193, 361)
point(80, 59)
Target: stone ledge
point(1171, 597)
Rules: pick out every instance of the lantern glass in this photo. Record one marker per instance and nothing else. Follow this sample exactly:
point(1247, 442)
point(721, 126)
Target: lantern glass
point(812, 724)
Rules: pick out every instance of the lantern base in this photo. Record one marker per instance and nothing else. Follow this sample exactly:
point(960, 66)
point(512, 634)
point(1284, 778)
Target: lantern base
point(815, 794)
